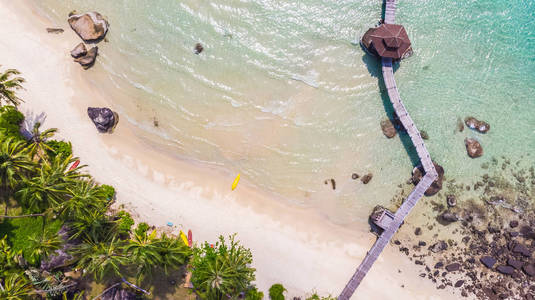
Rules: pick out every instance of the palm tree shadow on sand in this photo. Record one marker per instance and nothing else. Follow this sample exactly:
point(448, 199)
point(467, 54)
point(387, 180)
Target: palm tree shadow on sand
point(375, 69)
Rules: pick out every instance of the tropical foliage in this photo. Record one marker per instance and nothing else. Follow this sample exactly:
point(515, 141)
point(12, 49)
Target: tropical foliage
point(9, 83)
point(222, 271)
point(276, 292)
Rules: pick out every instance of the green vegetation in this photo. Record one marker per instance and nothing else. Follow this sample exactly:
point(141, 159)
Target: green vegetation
point(9, 85)
point(222, 271)
point(276, 292)
point(124, 222)
point(59, 148)
point(10, 120)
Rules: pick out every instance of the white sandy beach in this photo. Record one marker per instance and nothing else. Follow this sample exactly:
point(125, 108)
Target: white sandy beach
point(291, 245)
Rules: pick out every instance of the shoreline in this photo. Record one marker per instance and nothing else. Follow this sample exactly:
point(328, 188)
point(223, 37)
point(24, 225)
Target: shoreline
point(323, 255)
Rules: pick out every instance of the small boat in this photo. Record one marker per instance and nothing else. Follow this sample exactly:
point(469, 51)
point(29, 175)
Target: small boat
point(236, 180)
point(74, 165)
point(190, 238)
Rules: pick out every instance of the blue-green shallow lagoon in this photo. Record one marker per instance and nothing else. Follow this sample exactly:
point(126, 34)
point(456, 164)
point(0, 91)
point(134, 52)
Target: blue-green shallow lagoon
point(283, 95)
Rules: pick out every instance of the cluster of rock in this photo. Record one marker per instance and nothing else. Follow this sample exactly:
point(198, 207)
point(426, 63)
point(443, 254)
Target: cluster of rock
point(364, 179)
point(473, 147)
point(92, 28)
point(489, 251)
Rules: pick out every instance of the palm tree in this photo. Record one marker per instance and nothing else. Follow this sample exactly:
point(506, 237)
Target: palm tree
point(84, 196)
point(222, 271)
point(174, 253)
point(8, 87)
point(43, 244)
point(143, 251)
point(100, 258)
point(15, 287)
point(37, 143)
point(49, 187)
point(94, 225)
point(14, 162)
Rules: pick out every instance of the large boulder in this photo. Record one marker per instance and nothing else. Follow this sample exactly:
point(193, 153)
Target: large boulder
point(388, 128)
point(79, 51)
point(104, 118)
point(88, 59)
point(473, 148)
point(91, 26)
point(475, 124)
point(436, 186)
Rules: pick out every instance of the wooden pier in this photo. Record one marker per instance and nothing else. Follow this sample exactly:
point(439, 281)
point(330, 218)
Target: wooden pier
point(418, 191)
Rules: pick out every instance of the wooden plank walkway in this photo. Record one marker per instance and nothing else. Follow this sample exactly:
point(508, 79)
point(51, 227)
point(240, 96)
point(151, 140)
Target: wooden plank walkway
point(418, 191)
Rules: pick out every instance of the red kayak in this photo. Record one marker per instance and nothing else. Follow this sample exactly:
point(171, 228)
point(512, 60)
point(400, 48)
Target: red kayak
point(76, 163)
point(190, 238)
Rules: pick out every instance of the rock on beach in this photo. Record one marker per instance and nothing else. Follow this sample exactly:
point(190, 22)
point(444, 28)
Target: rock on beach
point(79, 50)
point(91, 26)
point(88, 60)
point(103, 118)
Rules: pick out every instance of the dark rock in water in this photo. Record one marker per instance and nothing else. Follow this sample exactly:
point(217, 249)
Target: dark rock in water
point(460, 125)
point(333, 183)
point(507, 270)
point(449, 217)
point(366, 178)
point(104, 118)
point(517, 264)
point(439, 265)
point(436, 186)
point(459, 283)
point(480, 126)
point(424, 134)
point(488, 261)
point(89, 59)
point(118, 294)
point(451, 200)
point(453, 267)
point(355, 176)
point(513, 224)
point(388, 128)
point(91, 26)
point(55, 30)
point(438, 247)
point(418, 231)
point(529, 269)
point(79, 50)
point(519, 248)
point(422, 244)
point(198, 48)
point(473, 148)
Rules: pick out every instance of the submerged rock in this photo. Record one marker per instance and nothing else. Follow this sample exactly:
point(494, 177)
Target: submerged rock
point(451, 200)
point(355, 176)
point(388, 128)
point(436, 186)
point(79, 50)
point(453, 267)
point(88, 60)
point(91, 26)
point(480, 126)
point(104, 118)
point(438, 247)
point(507, 270)
point(473, 148)
point(449, 217)
point(198, 48)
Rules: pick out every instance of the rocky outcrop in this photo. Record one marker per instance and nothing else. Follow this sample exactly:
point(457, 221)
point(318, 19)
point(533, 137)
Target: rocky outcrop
point(79, 51)
point(388, 128)
point(475, 124)
point(88, 59)
point(436, 186)
point(104, 118)
point(91, 26)
point(473, 148)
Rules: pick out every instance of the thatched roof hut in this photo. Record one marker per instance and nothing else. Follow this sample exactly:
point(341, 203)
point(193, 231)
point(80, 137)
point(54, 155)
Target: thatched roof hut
point(388, 40)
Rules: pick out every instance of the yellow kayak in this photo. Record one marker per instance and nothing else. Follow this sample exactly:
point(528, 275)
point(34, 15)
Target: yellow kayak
point(236, 180)
point(184, 238)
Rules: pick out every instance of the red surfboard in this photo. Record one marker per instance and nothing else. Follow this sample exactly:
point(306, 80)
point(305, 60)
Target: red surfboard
point(190, 238)
point(76, 163)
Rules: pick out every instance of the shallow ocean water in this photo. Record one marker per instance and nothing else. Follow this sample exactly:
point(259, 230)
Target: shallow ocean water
point(284, 94)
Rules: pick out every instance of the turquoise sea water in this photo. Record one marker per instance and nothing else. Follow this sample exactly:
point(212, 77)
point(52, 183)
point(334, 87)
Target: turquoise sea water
point(284, 95)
